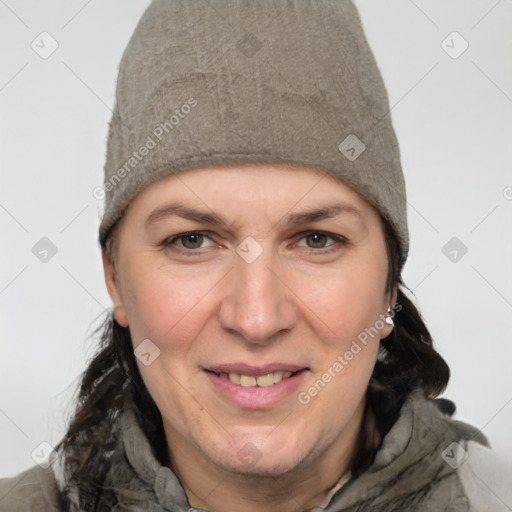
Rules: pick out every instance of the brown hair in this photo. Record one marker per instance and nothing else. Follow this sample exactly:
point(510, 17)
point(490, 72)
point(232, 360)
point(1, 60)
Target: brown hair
point(112, 379)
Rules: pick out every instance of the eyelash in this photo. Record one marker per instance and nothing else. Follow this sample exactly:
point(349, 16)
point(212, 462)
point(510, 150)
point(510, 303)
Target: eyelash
point(192, 252)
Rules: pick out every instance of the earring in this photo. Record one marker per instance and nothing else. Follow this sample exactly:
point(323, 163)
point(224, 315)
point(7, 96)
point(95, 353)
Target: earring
point(389, 317)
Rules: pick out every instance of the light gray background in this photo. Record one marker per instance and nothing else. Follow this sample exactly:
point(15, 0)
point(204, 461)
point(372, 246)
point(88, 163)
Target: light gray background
point(453, 118)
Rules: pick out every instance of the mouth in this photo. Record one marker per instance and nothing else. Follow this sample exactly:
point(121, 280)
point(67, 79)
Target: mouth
point(256, 387)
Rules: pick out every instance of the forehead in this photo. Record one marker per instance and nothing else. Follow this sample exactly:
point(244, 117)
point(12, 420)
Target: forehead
point(265, 187)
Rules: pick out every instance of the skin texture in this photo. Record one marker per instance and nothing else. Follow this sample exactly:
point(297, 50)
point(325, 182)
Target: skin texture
point(303, 300)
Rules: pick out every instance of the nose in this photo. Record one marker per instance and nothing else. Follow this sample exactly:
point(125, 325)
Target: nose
point(258, 304)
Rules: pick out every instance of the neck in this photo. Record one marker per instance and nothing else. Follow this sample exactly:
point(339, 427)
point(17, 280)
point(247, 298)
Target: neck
point(310, 484)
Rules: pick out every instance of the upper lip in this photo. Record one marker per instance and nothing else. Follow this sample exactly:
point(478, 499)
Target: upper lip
point(254, 370)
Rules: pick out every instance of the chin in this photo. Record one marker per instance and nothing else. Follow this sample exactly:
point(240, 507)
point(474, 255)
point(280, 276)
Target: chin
point(266, 467)
point(258, 455)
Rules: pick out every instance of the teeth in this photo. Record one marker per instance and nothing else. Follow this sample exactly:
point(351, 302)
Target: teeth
point(234, 378)
point(265, 380)
point(247, 381)
point(278, 377)
point(262, 380)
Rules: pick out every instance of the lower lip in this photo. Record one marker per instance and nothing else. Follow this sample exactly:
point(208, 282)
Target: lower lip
point(256, 397)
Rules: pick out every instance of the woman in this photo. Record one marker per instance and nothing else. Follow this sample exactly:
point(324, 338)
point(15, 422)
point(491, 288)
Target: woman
point(261, 354)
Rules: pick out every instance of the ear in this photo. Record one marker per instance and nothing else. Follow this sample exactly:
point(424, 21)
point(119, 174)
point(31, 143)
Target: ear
point(390, 301)
point(393, 296)
point(114, 291)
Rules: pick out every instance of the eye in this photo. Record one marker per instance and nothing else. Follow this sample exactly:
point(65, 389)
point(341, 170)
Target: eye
point(192, 240)
point(188, 242)
point(320, 240)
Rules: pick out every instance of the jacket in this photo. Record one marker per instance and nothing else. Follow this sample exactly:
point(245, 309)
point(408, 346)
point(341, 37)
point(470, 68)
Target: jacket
point(427, 462)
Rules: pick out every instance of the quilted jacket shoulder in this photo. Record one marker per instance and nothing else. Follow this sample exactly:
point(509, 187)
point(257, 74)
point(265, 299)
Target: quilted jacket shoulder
point(34, 489)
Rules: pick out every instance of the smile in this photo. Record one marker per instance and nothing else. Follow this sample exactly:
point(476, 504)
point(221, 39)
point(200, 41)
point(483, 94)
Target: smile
point(256, 387)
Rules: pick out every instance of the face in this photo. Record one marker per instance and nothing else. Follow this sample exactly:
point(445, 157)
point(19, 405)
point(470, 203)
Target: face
point(262, 292)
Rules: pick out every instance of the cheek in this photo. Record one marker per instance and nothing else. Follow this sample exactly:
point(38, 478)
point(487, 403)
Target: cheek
point(347, 313)
point(347, 302)
point(170, 310)
point(160, 304)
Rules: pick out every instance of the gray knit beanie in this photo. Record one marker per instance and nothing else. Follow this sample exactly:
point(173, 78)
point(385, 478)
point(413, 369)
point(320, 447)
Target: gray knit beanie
point(262, 81)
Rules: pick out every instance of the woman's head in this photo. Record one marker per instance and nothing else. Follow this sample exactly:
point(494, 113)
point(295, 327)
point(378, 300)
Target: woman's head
point(236, 133)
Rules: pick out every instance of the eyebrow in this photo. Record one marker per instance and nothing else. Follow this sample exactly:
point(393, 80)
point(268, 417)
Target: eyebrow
point(214, 219)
